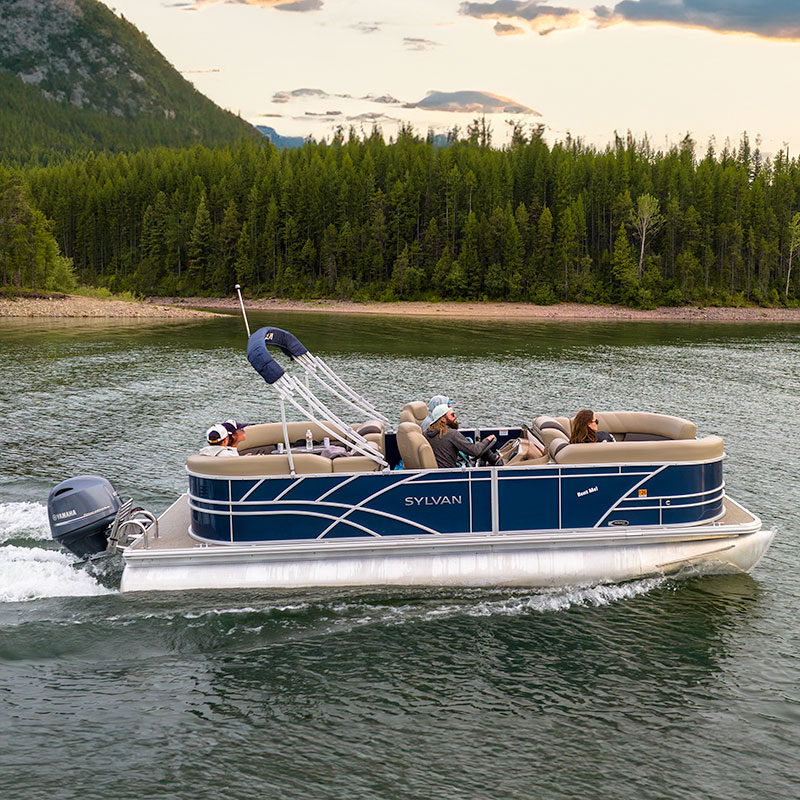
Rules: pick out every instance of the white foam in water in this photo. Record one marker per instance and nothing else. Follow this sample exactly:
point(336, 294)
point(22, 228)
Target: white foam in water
point(562, 599)
point(541, 602)
point(27, 520)
point(31, 573)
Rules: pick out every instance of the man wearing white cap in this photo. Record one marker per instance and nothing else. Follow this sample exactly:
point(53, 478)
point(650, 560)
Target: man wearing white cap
point(436, 400)
point(446, 442)
point(219, 442)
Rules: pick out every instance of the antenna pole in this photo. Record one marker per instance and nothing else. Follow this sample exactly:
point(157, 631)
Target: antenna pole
point(244, 313)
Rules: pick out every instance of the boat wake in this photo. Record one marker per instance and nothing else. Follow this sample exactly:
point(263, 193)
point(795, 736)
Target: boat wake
point(29, 571)
point(494, 603)
point(23, 521)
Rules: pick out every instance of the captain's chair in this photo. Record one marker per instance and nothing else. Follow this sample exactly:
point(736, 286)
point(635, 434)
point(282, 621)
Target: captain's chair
point(415, 411)
point(415, 450)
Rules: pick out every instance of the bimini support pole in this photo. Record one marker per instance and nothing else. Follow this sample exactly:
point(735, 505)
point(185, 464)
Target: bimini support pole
point(312, 364)
point(286, 442)
point(244, 313)
point(287, 386)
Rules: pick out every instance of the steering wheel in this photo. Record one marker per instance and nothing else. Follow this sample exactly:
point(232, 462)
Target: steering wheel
point(484, 459)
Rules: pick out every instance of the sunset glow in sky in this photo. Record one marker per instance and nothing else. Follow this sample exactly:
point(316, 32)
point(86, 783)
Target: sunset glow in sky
point(661, 67)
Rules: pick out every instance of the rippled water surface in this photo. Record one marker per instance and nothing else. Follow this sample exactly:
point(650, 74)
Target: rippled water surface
point(652, 689)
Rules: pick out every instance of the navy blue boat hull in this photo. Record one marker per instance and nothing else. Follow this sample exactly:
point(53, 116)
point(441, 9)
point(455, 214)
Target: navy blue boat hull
point(481, 500)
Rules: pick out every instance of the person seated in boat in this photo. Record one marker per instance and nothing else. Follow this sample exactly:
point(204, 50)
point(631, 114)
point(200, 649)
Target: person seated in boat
point(446, 442)
point(235, 431)
point(220, 442)
point(584, 429)
point(436, 400)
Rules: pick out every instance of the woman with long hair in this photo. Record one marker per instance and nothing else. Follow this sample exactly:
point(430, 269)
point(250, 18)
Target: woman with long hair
point(584, 428)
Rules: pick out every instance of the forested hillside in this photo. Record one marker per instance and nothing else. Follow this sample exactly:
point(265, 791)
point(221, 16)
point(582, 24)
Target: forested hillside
point(365, 219)
point(74, 77)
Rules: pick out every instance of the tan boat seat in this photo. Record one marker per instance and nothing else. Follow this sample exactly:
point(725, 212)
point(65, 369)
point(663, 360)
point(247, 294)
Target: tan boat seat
point(355, 464)
point(553, 428)
point(415, 411)
point(415, 450)
point(273, 464)
point(637, 452)
point(640, 424)
point(272, 433)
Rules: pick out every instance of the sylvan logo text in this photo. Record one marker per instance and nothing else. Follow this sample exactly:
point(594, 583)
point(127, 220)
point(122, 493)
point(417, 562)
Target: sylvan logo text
point(436, 500)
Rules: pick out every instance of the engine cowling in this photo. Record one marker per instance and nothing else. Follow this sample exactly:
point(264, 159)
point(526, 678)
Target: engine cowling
point(81, 511)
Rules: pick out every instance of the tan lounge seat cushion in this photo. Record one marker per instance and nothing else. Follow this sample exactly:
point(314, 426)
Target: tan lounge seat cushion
point(646, 422)
point(272, 433)
point(273, 464)
point(621, 422)
point(651, 452)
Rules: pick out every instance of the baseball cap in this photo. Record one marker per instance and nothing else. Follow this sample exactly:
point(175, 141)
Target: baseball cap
point(216, 433)
point(438, 400)
point(439, 412)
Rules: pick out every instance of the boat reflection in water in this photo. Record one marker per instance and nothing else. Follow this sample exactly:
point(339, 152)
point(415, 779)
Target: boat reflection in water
point(285, 514)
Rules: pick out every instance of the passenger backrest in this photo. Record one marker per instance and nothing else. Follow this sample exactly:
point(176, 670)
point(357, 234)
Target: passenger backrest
point(415, 411)
point(372, 430)
point(645, 424)
point(553, 428)
point(414, 448)
point(272, 433)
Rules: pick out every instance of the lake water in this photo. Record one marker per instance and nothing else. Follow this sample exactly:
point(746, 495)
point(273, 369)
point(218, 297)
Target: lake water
point(652, 689)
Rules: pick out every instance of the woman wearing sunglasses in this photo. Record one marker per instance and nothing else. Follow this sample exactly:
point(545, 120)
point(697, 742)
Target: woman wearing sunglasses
point(584, 429)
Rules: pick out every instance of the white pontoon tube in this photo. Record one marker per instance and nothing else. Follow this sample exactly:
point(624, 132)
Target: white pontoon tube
point(287, 386)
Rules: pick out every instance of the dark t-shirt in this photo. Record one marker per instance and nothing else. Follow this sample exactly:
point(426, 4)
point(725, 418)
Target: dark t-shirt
point(447, 446)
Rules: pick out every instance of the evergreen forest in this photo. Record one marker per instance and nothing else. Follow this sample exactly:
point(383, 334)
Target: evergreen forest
point(366, 219)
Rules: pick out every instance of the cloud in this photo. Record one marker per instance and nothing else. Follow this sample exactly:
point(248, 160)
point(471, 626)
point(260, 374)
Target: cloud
point(372, 116)
point(472, 102)
point(367, 27)
point(541, 18)
point(285, 97)
point(280, 5)
point(419, 44)
point(772, 19)
point(504, 29)
point(382, 98)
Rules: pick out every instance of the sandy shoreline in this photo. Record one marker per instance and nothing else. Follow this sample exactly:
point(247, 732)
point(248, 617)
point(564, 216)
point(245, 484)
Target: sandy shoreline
point(519, 311)
point(76, 306)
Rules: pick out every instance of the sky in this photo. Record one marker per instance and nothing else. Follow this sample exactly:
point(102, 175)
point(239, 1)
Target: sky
point(661, 68)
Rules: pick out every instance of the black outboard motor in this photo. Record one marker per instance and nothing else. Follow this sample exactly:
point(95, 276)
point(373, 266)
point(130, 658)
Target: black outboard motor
point(81, 511)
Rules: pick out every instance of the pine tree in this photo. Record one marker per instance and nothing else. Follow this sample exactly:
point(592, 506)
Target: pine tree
point(201, 248)
point(623, 267)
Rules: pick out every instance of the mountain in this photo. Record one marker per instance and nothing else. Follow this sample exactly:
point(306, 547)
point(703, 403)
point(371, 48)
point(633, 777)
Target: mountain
point(74, 77)
point(281, 142)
